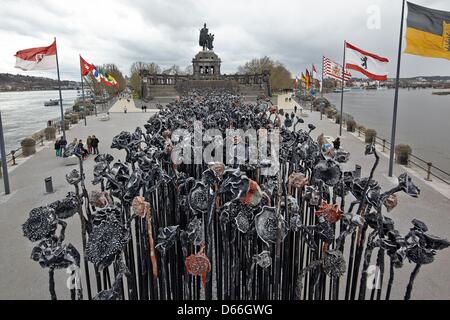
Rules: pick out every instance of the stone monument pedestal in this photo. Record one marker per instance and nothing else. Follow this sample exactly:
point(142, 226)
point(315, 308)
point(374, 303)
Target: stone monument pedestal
point(206, 65)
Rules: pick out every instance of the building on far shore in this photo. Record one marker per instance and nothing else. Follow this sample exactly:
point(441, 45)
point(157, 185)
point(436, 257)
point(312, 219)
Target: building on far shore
point(206, 75)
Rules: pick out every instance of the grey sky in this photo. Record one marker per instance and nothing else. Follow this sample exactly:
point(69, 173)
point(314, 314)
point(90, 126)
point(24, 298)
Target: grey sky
point(296, 33)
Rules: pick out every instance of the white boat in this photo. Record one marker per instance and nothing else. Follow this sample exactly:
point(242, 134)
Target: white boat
point(340, 90)
point(51, 103)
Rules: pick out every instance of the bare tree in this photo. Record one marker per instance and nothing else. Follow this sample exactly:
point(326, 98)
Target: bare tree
point(280, 77)
point(136, 68)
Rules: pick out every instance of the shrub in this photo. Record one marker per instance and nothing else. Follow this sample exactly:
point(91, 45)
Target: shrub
point(50, 133)
point(371, 135)
point(28, 142)
point(402, 153)
point(351, 125)
point(338, 118)
point(28, 147)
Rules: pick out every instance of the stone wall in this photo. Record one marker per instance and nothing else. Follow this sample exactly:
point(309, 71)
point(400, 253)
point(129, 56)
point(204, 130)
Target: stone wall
point(161, 86)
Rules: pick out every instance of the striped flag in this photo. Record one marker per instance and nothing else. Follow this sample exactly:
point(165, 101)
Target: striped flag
point(334, 70)
point(369, 64)
point(428, 32)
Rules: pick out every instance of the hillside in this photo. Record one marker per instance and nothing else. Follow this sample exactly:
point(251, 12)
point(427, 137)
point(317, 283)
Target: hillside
point(11, 82)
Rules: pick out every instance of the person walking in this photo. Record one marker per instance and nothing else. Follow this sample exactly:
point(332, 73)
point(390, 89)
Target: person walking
point(94, 143)
point(295, 109)
point(62, 146)
point(58, 147)
point(89, 144)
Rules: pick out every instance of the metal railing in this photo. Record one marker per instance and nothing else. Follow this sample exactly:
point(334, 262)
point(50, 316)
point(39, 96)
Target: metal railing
point(13, 155)
point(430, 169)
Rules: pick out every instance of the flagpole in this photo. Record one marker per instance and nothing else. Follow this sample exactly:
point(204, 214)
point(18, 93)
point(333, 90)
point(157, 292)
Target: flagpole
point(60, 96)
point(3, 157)
point(82, 92)
point(397, 83)
point(321, 92)
point(342, 91)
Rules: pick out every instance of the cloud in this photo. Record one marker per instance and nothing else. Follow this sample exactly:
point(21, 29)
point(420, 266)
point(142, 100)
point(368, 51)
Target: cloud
point(297, 33)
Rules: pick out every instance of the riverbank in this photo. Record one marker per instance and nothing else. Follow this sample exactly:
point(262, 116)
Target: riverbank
point(442, 93)
point(422, 119)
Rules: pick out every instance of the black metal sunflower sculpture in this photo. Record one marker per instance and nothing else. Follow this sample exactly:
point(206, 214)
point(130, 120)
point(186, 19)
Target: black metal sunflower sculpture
point(41, 223)
point(106, 241)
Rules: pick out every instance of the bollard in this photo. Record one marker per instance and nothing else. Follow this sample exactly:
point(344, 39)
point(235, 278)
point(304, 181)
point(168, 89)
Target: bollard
point(428, 178)
point(13, 156)
point(358, 170)
point(48, 185)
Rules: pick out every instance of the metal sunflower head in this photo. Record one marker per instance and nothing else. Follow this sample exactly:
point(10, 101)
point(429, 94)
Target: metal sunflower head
point(133, 186)
point(41, 223)
point(106, 240)
point(72, 150)
point(122, 140)
point(198, 198)
point(328, 171)
point(106, 157)
point(107, 213)
point(269, 225)
point(52, 254)
point(334, 264)
point(73, 177)
point(67, 207)
point(166, 238)
point(405, 182)
point(263, 259)
point(342, 156)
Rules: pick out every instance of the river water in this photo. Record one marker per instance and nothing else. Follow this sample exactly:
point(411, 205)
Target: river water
point(423, 119)
point(24, 113)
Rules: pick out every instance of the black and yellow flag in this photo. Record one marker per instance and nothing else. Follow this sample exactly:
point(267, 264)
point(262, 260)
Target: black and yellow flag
point(428, 32)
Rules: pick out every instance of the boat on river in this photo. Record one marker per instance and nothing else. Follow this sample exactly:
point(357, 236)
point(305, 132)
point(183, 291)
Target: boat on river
point(51, 103)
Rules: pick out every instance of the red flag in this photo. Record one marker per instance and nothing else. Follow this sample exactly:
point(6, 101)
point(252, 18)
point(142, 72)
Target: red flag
point(41, 58)
point(371, 65)
point(86, 67)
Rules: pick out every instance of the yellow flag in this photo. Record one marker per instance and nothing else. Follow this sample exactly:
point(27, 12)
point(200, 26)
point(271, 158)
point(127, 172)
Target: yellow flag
point(428, 32)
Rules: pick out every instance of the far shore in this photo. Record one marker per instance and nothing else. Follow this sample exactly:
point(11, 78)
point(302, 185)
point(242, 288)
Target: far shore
point(34, 90)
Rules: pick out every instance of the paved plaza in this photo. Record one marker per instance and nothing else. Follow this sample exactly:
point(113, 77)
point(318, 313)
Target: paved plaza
point(22, 278)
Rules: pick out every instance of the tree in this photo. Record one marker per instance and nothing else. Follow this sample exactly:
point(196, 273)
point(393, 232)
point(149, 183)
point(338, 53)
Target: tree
point(98, 87)
point(136, 68)
point(114, 71)
point(189, 70)
point(173, 70)
point(280, 77)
